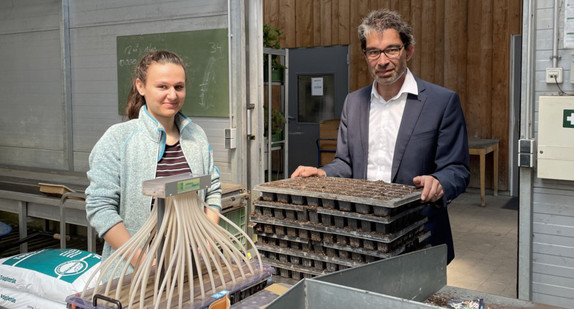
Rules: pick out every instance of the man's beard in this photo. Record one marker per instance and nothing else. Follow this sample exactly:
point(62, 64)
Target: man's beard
point(385, 81)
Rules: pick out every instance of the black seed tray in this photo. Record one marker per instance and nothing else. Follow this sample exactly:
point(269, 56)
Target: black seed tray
point(298, 199)
point(414, 236)
point(278, 227)
point(313, 201)
point(365, 247)
point(312, 265)
point(289, 268)
point(279, 230)
point(313, 215)
point(328, 238)
point(358, 191)
point(303, 213)
point(334, 221)
point(278, 205)
point(283, 198)
point(345, 207)
point(379, 250)
point(329, 203)
point(277, 213)
point(307, 255)
point(268, 196)
point(281, 234)
point(313, 259)
point(298, 264)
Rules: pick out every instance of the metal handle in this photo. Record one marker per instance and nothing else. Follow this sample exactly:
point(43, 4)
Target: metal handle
point(105, 298)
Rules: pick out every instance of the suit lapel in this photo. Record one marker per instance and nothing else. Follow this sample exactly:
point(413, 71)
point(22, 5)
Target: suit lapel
point(411, 114)
point(364, 127)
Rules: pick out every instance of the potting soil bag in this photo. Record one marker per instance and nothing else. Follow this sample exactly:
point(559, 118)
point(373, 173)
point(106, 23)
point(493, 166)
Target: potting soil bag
point(10, 298)
point(51, 273)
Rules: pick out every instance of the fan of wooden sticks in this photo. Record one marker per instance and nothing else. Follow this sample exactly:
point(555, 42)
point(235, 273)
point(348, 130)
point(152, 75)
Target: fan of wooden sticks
point(186, 249)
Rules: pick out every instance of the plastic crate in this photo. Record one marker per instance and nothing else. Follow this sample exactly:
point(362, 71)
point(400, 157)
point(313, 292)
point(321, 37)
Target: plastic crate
point(237, 216)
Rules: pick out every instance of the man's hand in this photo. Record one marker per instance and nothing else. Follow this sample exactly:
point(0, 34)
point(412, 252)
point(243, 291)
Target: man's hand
point(308, 171)
point(432, 189)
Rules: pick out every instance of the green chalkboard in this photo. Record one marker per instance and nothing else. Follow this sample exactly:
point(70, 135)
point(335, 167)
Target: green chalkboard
point(205, 53)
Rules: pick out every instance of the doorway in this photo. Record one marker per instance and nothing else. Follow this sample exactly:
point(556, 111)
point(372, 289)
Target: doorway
point(319, 79)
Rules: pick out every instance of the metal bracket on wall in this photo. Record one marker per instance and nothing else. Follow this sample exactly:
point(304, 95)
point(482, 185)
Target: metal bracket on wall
point(526, 153)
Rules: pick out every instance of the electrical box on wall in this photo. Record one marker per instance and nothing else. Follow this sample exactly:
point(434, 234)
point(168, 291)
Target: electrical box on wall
point(556, 137)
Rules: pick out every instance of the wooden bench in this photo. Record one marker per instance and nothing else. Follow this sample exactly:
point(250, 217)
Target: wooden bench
point(482, 147)
point(24, 192)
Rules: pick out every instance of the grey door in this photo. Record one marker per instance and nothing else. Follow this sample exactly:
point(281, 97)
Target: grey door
point(318, 85)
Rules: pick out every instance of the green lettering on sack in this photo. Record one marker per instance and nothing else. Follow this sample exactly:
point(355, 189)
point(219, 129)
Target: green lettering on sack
point(8, 279)
point(8, 298)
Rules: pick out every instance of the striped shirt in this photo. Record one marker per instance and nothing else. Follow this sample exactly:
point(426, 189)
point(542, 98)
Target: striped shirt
point(173, 162)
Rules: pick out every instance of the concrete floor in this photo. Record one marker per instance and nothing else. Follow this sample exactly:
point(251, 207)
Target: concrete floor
point(485, 243)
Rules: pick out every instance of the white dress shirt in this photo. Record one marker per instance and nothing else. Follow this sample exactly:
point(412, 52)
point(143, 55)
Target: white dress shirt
point(384, 122)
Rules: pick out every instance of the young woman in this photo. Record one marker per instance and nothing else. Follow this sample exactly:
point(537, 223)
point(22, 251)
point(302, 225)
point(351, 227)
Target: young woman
point(158, 140)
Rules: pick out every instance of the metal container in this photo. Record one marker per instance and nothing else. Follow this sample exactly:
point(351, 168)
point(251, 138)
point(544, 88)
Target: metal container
point(406, 281)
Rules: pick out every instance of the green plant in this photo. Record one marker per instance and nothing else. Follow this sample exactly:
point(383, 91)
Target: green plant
point(271, 39)
point(277, 121)
point(271, 36)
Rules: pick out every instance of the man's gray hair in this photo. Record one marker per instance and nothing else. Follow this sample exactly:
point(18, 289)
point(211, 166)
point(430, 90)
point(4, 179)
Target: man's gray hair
point(381, 20)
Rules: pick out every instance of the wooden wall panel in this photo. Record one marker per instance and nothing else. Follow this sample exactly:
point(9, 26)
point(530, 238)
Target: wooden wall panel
point(462, 45)
point(288, 22)
point(439, 47)
point(335, 22)
point(304, 23)
point(358, 71)
point(475, 67)
point(486, 59)
point(500, 74)
point(479, 86)
point(415, 20)
point(317, 22)
point(345, 34)
point(455, 48)
point(326, 23)
point(428, 41)
point(271, 12)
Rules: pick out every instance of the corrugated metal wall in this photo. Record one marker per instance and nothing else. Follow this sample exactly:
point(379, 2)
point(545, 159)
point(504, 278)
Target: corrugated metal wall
point(553, 246)
point(463, 45)
point(553, 200)
point(32, 121)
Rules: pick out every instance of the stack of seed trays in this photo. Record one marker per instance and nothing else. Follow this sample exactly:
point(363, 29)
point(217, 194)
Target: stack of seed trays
point(311, 226)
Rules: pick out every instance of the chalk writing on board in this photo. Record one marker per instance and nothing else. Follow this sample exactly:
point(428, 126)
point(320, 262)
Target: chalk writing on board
point(132, 54)
point(205, 53)
point(209, 74)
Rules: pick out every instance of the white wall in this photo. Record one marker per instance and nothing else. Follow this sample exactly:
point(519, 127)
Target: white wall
point(552, 200)
point(33, 117)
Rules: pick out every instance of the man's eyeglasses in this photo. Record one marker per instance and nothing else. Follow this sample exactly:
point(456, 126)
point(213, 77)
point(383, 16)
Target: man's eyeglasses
point(392, 52)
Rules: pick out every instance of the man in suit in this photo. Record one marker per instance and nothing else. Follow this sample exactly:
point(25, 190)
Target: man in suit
point(402, 129)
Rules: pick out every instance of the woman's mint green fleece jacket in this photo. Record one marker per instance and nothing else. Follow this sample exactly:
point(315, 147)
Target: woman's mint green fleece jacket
point(125, 156)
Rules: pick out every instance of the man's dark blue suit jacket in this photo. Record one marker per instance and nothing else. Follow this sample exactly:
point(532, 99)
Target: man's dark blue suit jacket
point(432, 140)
